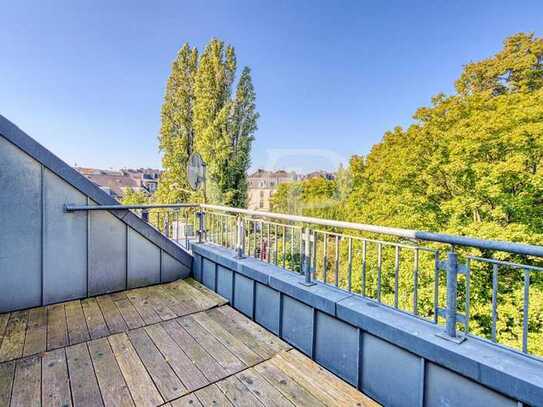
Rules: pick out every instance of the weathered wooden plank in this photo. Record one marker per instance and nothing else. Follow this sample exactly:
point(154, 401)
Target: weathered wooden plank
point(214, 347)
point(182, 296)
point(4, 318)
point(168, 302)
point(212, 396)
point(185, 369)
point(112, 316)
point(252, 338)
point(261, 334)
point(57, 329)
point(129, 313)
point(262, 389)
point(190, 400)
point(36, 332)
point(305, 381)
point(181, 306)
point(95, 320)
point(139, 382)
point(160, 306)
point(233, 344)
point(238, 393)
point(211, 295)
point(55, 381)
point(168, 384)
point(203, 360)
point(27, 384)
point(202, 300)
point(110, 379)
point(297, 394)
point(118, 296)
point(14, 336)
point(7, 373)
point(85, 391)
point(144, 308)
point(310, 373)
point(77, 326)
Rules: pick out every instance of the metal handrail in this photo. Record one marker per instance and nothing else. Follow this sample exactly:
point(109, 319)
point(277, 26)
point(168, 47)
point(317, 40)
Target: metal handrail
point(454, 240)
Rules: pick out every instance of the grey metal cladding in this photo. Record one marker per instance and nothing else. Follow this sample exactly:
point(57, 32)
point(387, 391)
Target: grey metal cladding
point(20, 233)
point(62, 262)
point(107, 253)
point(39, 153)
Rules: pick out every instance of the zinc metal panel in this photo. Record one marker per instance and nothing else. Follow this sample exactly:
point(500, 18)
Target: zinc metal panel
point(143, 261)
point(65, 242)
point(21, 232)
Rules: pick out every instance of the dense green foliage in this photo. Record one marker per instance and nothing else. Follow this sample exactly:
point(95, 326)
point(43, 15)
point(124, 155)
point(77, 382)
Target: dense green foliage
point(471, 164)
point(201, 113)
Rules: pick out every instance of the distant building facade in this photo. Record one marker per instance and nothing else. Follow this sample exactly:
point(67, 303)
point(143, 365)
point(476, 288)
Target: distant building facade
point(115, 183)
point(262, 185)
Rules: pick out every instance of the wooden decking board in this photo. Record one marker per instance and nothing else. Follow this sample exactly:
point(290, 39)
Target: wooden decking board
point(212, 296)
point(215, 356)
point(27, 383)
point(13, 343)
point(36, 332)
point(165, 379)
point(297, 394)
point(238, 394)
point(139, 383)
point(55, 382)
point(95, 320)
point(190, 400)
point(212, 396)
point(184, 368)
point(262, 389)
point(203, 360)
point(77, 325)
point(57, 328)
point(215, 348)
point(85, 391)
point(110, 379)
point(7, 373)
point(236, 346)
point(112, 316)
point(130, 315)
point(146, 312)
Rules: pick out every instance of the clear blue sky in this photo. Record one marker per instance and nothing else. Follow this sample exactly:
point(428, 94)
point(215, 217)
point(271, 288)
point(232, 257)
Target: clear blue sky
point(86, 78)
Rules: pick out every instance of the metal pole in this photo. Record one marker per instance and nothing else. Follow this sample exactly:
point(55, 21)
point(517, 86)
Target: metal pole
point(240, 239)
point(306, 259)
point(201, 227)
point(452, 273)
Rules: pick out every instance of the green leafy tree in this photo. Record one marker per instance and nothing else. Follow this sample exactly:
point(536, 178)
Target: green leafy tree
point(132, 197)
point(200, 113)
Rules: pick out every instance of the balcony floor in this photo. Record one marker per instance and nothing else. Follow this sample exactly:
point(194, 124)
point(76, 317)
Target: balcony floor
point(175, 344)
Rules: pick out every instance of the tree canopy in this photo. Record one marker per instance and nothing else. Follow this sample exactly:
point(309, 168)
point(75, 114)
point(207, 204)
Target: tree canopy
point(202, 113)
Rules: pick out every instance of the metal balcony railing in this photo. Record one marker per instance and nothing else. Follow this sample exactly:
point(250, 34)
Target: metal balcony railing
point(448, 280)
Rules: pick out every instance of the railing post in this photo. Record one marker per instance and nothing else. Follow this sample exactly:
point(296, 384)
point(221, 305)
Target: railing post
point(201, 226)
point(306, 261)
point(240, 238)
point(450, 313)
point(452, 281)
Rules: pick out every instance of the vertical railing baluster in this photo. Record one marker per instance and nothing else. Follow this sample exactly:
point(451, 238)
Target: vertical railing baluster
point(436, 286)
point(254, 239)
point(379, 269)
point(275, 248)
point(363, 276)
point(336, 270)
point(268, 245)
point(396, 275)
point(325, 257)
point(468, 295)
point(292, 268)
point(284, 246)
point(416, 282)
point(494, 300)
point(301, 250)
point(350, 264)
point(525, 311)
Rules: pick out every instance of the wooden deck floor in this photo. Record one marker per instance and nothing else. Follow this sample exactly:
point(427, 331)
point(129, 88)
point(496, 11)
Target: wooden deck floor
point(175, 344)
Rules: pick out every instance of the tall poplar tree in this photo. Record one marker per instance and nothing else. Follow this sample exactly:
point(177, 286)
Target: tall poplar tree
point(201, 113)
point(177, 130)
